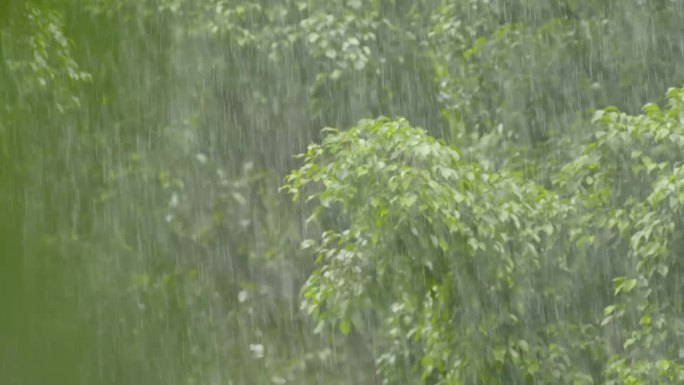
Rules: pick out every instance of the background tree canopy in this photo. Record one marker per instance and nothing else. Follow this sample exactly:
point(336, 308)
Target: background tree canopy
point(528, 233)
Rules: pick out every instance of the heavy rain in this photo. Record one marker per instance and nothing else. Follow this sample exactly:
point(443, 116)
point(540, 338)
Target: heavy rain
point(341, 192)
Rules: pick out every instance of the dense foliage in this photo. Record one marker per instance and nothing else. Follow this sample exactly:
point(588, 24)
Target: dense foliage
point(529, 234)
point(477, 276)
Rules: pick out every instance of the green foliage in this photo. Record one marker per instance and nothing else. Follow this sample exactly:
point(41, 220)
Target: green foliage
point(142, 143)
point(471, 275)
point(645, 221)
point(455, 260)
point(528, 85)
point(40, 60)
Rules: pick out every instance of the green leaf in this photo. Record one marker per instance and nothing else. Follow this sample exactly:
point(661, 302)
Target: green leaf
point(345, 326)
